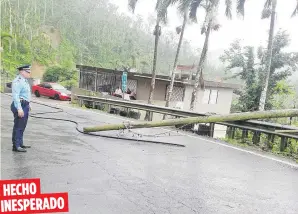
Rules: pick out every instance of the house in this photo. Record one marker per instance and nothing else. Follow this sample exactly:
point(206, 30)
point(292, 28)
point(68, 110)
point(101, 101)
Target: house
point(216, 98)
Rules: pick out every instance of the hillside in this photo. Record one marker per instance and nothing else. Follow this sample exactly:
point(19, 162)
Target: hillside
point(64, 33)
point(91, 34)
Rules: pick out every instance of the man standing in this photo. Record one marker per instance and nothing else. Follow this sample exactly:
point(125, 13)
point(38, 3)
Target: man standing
point(20, 107)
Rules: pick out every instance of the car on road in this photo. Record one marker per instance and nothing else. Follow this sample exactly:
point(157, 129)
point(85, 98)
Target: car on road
point(52, 90)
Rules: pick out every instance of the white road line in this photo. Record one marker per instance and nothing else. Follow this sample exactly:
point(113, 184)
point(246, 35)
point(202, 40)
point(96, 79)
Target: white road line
point(191, 136)
point(247, 151)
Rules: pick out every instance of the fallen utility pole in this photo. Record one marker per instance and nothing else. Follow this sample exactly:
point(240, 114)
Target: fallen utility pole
point(286, 131)
point(201, 119)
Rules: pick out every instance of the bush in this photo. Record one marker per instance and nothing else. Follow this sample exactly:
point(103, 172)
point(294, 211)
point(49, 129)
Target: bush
point(65, 76)
point(53, 74)
point(123, 113)
point(133, 114)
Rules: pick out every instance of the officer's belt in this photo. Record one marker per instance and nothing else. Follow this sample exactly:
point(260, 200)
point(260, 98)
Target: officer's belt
point(24, 101)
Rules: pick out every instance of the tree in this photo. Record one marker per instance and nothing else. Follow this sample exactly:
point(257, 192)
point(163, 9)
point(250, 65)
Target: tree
point(269, 10)
point(83, 32)
point(269, 52)
point(210, 23)
point(242, 62)
point(179, 30)
point(285, 96)
point(161, 16)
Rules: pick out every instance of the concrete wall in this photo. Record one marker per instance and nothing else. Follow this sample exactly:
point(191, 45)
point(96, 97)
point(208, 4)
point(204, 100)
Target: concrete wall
point(156, 116)
point(143, 89)
point(222, 106)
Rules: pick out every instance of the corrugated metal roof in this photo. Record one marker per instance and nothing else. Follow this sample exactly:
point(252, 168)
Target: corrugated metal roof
point(208, 83)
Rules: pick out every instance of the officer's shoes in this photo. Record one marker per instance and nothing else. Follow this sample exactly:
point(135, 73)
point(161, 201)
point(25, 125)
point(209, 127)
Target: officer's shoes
point(24, 147)
point(19, 149)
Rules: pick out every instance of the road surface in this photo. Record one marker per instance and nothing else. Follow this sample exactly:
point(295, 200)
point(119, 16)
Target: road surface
point(115, 176)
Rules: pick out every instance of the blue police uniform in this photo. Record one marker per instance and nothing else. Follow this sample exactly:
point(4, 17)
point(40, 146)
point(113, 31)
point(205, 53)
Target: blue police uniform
point(21, 94)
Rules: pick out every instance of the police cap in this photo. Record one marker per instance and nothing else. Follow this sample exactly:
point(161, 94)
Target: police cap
point(25, 68)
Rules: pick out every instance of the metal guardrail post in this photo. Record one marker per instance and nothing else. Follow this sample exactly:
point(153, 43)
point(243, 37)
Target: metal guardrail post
point(283, 143)
point(268, 141)
point(211, 132)
point(151, 116)
point(256, 138)
point(244, 135)
point(228, 133)
point(233, 131)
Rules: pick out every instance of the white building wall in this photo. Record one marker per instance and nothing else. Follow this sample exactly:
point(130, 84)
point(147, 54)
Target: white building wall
point(206, 105)
point(222, 105)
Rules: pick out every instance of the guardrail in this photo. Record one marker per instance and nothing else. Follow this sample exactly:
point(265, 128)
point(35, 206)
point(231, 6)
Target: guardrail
point(254, 126)
point(139, 106)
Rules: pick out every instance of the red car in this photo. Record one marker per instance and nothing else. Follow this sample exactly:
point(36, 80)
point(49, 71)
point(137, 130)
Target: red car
point(52, 90)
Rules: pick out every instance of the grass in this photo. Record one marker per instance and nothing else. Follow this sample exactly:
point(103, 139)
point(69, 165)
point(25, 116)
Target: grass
point(291, 151)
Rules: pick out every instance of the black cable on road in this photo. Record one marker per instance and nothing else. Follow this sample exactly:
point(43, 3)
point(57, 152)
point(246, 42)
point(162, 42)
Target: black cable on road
point(60, 110)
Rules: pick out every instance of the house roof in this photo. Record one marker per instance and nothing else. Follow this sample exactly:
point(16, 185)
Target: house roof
point(208, 83)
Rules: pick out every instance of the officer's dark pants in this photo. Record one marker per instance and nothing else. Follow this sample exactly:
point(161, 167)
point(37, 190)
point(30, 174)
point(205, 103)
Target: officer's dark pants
point(20, 124)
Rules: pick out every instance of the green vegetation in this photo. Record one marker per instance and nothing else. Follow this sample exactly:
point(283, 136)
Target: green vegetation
point(63, 75)
point(65, 33)
point(243, 63)
point(274, 147)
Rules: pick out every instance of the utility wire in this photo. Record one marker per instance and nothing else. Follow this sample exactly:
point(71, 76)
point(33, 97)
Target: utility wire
point(60, 110)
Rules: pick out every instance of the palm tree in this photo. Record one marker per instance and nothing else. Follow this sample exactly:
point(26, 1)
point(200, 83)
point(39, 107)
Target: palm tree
point(179, 30)
point(269, 10)
point(210, 23)
point(265, 14)
point(161, 17)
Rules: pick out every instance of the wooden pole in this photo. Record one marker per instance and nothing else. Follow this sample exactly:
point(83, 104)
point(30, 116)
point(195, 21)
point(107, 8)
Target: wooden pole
point(202, 119)
point(287, 131)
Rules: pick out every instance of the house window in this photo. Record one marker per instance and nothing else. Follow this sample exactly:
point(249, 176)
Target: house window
point(132, 85)
point(213, 97)
point(210, 96)
point(206, 96)
point(177, 93)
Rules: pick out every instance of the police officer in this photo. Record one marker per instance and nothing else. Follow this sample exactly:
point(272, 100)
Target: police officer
point(20, 107)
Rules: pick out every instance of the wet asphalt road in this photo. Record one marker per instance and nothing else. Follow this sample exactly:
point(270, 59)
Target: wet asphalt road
point(113, 176)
